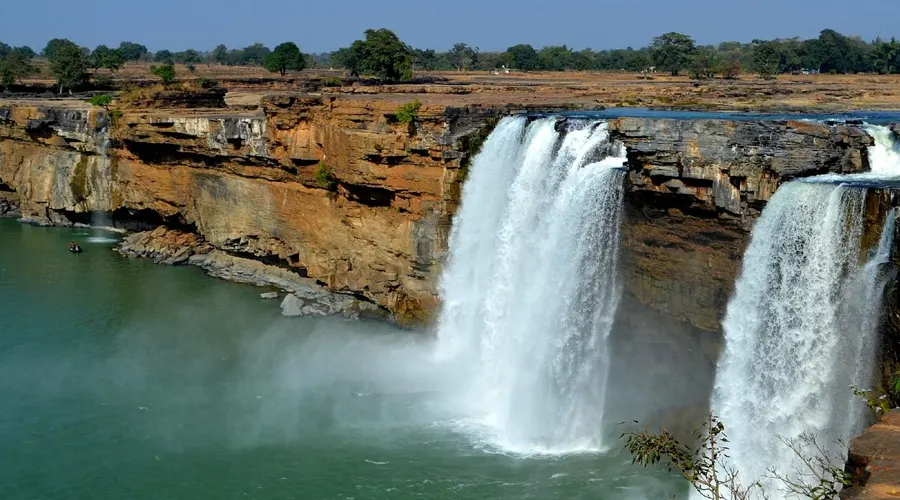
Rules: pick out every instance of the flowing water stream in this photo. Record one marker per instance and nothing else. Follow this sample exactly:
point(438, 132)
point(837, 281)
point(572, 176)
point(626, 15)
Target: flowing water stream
point(801, 327)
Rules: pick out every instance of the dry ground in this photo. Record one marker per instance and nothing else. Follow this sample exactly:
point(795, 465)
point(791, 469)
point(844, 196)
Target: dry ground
point(824, 93)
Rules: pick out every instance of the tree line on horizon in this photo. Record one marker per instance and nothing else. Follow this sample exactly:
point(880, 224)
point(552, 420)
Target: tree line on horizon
point(382, 54)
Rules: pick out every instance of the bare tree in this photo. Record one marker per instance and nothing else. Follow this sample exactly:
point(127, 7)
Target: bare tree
point(818, 477)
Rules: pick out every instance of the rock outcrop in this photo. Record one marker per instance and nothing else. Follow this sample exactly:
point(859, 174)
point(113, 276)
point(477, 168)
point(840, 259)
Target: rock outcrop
point(335, 190)
point(332, 188)
point(874, 462)
point(172, 247)
point(694, 189)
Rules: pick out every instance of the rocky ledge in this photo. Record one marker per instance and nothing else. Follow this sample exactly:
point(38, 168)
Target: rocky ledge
point(874, 462)
point(305, 296)
point(694, 189)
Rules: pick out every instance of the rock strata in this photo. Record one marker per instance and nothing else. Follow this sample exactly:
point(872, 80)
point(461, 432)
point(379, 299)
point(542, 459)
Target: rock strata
point(874, 462)
point(694, 190)
point(174, 247)
point(333, 188)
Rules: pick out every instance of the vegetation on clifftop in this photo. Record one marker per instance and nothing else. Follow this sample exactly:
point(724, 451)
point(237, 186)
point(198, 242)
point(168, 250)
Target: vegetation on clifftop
point(15, 64)
point(382, 54)
point(165, 72)
point(285, 57)
point(68, 63)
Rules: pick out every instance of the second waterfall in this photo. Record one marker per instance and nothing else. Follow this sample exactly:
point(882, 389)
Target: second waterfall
point(530, 288)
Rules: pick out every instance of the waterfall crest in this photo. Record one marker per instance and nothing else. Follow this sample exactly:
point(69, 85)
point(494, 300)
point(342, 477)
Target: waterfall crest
point(530, 288)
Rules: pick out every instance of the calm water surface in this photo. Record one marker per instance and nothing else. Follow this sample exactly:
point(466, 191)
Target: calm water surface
point(123, 379)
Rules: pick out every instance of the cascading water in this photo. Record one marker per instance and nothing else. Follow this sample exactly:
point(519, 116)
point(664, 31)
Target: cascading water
point(100, 186)
point(801, 326)
point(530, 288)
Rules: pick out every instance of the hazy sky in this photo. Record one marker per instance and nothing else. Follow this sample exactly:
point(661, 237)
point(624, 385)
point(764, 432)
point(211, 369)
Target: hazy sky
point(489, 24)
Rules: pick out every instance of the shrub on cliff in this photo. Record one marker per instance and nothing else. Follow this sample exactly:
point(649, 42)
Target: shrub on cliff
point(102, 100)
point(381, 54)
point(325, 177)
point(165, 72)
point(409, 112)
point(68, 63)
point(286, 57)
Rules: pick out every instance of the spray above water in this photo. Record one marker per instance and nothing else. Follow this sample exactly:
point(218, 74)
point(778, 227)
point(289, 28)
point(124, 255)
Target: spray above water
point(530, 289)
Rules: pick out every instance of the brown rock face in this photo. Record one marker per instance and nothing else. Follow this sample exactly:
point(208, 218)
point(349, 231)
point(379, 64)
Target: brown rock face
point(250, 184)
point(874, 462)
point(694, 189)
point(336, 189)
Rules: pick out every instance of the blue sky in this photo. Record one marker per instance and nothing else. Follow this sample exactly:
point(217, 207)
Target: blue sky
point(489, 24)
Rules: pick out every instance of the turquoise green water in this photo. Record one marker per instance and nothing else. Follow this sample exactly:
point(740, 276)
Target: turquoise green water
point(123, 379)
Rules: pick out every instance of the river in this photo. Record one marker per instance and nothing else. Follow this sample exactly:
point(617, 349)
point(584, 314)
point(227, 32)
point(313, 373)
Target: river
point(123, 379)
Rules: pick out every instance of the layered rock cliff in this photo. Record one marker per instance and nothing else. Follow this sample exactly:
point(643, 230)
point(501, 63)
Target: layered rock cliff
point(694, 189)
point(334, 194)
point(337, 191)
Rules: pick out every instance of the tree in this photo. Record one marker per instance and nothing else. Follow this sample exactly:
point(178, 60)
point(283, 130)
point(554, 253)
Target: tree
point(15, 64)
point(69, 64)
point(53, 46)
point(425, 59)
point(885, 56)
point(555, 58)
point(104, 57)
point(705, 63)
point(164, 56)
point(165, 72)
point(672, 52)
point(187, 57)
point(285, 57)
point(462, 57)
point(766, 59)
point(220, 54)
point(708, 469)
point(102, 100)
point(254, 55)
point(523, 57)
point(132, 51)
point(381, 54)
point(732, 67)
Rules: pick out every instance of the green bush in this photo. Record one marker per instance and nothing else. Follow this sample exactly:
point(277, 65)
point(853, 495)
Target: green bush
point(409, 112)
point(207, 83)
point(102, 100)
point(325, 177)
point(165, 72)
point(332, 81)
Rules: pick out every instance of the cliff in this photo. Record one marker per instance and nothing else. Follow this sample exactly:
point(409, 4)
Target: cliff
point(694, 189)
point(335, 190)
point(874, 462)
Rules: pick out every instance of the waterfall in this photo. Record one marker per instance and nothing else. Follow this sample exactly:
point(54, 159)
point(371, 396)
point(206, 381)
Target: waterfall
point(100, 185)
point(884, 155)
point(801, 326)
point(530, 288)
